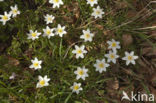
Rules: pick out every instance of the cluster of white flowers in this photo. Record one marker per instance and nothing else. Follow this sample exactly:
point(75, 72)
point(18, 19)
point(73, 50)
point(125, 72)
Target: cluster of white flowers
point(100, 65)
point(81, 72)
point(43, 81)
point(112, 56)
point(80, 51)
point(97, 12)
point(48, 32)
point(7, 16)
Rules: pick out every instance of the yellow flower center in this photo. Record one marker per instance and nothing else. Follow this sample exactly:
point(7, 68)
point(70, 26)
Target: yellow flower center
point(112, 56)
point(101, 65)
point(60, 30)
point(33, 34)
point(81, 72)
point(113, 44)
point(42, 82)
point(49, 18)
point(56, 1)
point(76, 87)
point(97, 12)
point(130, 57)
point(15, 11)
point(79, 51)
point(87, 36)
point(48, 32)
point(5, 18)
point(91, 0)
point(36, 64)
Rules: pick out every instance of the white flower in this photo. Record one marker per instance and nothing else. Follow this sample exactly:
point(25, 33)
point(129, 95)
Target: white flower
point(60, 30)
point(1, 0)
point(113, 45)
point(12, 76)
point(48, 32)
point(49, 18)
point(92, 2)
point(33, 35)
point(101, 65)
point(56, 3)
point(43, 81)
point(36, 64)
point(97, 12)
point(76, 87)
point(87, 35)
point(130, 58)
point(14, 11)
point(112, 56)
point(81, 73)
point(5, 17)
point(79, 51)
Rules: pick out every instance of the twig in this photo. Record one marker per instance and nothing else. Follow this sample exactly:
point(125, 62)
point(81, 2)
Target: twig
point(151, 27)
point(69, 48)
point(84, 26)
point(136, 17)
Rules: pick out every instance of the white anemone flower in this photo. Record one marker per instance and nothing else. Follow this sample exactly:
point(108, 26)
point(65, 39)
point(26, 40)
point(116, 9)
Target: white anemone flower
point(112, 56)
point(92, 2)
point(130, 57)
point(13, 75)
point(49, 18)
point(97, 12)
point(33, 34)
point(76, 87)
point(14, 11)
point(113, 45)
point(101, 65)
point(6, 17)
point(79, 51)
point(81, 73)
point(48, 32)
point(60, 30)
point(87, 35)
point(36, 64)
point(43, 81)
point(56, 3)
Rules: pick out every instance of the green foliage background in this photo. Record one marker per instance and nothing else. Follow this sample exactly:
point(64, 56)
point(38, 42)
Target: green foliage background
point(17, 51)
